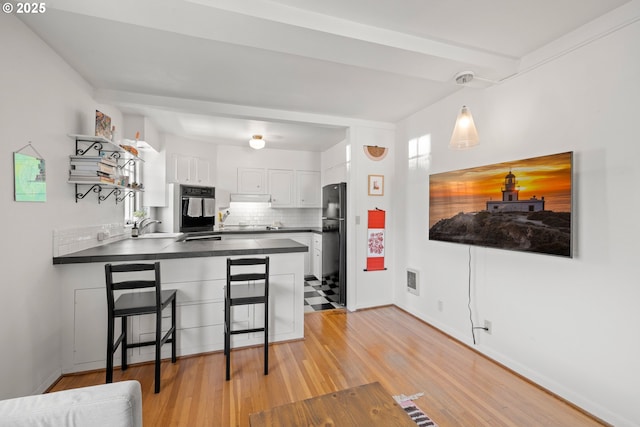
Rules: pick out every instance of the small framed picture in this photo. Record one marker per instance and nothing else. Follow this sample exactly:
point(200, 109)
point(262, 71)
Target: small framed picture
point(376, 185)
point(103, 125)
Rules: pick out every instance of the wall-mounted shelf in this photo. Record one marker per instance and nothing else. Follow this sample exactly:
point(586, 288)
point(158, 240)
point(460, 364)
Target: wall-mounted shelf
point(85, 143)
point(119, 192)
point(119, 158)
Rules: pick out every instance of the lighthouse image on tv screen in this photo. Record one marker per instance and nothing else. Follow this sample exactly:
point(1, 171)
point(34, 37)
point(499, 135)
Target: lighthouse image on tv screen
point(523, 205)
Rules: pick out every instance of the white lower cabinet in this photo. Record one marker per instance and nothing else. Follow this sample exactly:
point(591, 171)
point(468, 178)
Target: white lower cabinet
point(316, 256)
point(199, 313)
point(304, 238)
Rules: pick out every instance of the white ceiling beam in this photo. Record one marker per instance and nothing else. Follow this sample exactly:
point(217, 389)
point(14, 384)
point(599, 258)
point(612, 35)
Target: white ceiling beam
point(354, 30)
point(278, 28)
point(604, 25)
point(193, 106)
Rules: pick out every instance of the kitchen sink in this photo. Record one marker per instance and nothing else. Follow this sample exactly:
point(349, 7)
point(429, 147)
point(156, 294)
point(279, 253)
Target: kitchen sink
point(205, 235)
point(159, 235)
point(242, 227)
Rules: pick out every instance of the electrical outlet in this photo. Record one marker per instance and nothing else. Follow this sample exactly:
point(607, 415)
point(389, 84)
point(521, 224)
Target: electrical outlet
point(487, 326)
point(440, 305)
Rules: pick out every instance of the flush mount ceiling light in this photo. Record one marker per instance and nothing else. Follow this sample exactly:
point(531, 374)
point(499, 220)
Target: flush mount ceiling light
point(464, 134)
point(256, 142)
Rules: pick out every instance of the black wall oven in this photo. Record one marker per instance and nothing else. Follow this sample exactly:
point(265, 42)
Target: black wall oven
point(197, 208)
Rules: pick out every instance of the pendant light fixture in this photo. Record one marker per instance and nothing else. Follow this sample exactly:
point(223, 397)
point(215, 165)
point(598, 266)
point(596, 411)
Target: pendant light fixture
point(256, 142)
point(464, 134)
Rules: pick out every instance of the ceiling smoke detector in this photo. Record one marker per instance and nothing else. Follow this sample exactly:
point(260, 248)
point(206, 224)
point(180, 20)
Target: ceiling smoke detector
point(464, 77)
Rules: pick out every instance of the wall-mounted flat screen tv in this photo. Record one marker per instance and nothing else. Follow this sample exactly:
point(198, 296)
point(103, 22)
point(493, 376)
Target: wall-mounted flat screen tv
point(523, 205)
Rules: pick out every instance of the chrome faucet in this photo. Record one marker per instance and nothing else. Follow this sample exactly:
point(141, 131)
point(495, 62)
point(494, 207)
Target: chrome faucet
point(146, 223)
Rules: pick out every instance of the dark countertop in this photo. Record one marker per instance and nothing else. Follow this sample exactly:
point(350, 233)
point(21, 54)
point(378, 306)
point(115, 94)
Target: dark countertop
point(167, 248)
point(260, 229)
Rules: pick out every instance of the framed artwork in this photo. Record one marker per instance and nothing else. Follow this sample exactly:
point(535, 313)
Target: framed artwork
point(376, 185)
point(30, 183)
point(523, 205)
point(103, 125)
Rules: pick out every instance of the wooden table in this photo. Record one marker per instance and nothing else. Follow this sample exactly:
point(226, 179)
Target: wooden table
point(365, 405)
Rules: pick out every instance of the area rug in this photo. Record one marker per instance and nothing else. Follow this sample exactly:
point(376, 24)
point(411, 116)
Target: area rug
point(415, 413)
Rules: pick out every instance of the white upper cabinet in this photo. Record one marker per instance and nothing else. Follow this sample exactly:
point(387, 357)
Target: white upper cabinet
point(281, 187)
point(181, 168)
point(251, 181)
point(190, 170)
point(154, 178)
point(309, 194)
point(288, 188)
point(203, 171)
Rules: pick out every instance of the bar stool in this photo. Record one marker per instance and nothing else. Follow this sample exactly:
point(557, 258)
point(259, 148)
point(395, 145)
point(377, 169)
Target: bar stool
point(135, 304)
point(248, 287)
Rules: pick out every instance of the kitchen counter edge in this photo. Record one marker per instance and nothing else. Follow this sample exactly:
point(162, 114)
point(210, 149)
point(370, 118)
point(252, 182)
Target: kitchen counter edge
point(184, 250)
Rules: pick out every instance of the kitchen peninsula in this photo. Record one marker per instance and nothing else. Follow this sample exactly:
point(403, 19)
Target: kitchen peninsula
point(197, 269)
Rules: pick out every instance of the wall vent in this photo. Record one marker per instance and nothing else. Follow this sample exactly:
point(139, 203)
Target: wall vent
point(413, 285)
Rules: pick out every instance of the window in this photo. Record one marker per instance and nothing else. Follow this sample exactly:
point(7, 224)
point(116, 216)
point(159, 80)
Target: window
point(132, 201)
point(419, 151)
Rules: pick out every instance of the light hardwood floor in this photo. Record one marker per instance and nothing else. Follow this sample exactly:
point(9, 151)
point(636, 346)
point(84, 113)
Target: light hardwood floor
point(341, 350)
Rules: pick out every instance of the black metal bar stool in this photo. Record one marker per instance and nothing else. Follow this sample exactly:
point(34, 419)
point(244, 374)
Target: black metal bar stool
point(251, 286)
point(135, 304)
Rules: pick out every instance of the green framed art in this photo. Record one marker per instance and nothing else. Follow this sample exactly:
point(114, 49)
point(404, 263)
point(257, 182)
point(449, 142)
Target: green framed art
point(30, 183)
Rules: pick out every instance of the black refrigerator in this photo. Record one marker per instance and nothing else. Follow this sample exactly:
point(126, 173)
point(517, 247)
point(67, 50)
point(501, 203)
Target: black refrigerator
point(334, 238)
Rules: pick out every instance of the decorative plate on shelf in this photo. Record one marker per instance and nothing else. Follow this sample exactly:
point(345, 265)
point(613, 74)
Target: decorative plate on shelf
point(130, 149)
point(374, 152)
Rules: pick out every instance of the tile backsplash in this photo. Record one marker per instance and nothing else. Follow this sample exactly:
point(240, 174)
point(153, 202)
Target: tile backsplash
point(69, 240)
point(259, 214)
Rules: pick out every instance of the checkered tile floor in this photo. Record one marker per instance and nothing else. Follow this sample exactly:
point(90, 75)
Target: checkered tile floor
point(320, 294)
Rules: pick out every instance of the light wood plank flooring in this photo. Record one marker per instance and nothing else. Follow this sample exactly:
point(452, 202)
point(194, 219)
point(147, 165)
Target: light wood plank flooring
point(341, 350)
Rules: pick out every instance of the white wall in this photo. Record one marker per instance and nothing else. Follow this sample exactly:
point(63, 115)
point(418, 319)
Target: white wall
point(334, 164)
point(570, 325)
point(43, 100)
point(347, 162)
point(369, 288)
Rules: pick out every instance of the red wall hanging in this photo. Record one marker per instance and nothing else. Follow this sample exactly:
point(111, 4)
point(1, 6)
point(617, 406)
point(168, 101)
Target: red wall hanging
point(376, 242)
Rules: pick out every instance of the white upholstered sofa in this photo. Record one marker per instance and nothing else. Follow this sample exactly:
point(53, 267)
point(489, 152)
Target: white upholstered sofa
point(107, 405)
